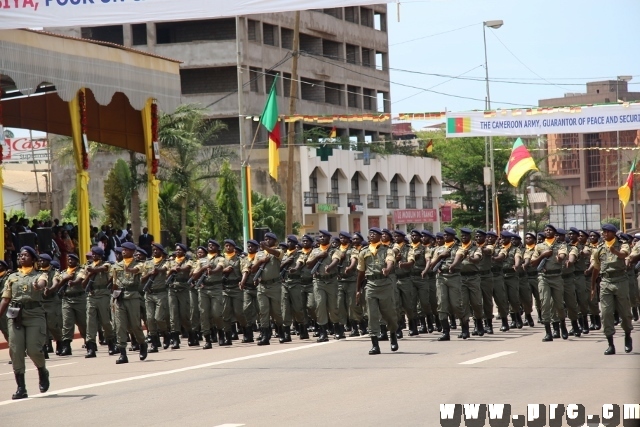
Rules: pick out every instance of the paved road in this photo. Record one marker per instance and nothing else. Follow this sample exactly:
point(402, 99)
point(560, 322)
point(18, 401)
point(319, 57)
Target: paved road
point(335, 383)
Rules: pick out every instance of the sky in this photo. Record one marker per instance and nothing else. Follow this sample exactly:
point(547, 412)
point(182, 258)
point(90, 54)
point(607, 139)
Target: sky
point(559, 45)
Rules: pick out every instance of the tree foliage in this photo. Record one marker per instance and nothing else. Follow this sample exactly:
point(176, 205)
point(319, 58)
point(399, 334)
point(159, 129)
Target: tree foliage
point(270, 212)
point(70, 212)
point(116, 193)
point(228, 201)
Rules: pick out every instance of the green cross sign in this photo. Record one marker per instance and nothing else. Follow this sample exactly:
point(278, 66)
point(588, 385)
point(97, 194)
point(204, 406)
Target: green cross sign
point(324, 152)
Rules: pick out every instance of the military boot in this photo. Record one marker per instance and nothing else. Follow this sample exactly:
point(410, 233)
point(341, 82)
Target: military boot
point(375, 348)
point(322, 334)
point(611, 349)
point(383, 333)
point(354, 329)
point(452, 322)
point(45, 351)
point(464, 324)
point(548, 336)
point(265, 337)
point(21, 391)
point(556, 329)
point(399, 333)
point(153, 344)
point(112, 347)
point(247, 335)
point(282, 338)
point(364, 323)
point(585, 325)
point(304, 333)
point(430, 323)
point(577, 331)
point(175, 340)
point(66, 348)
point(166, 340)
point(228, 338)
point(91, 351)
point(207, 342)
point(445, 331)
point(489, 326)
point(480, 329)
point(339, 331)
point(101, 339)
point(628, 344)
point(598, 322)
point(438, 323)
point(634, 313)
point(475, 327)
point(394, 342)
point(519, 323)
point(422, 329)
point(49, 346)
point(563, 329)
point(135, 345)
point(413, 328)
point(513, 323)
point(191, 341)
point(143, 350)
point(539, 316)
point(43, 379)
point(234, 332)
point(123, 356)
point(529, 320)
point(505, 325)
point(593, 324)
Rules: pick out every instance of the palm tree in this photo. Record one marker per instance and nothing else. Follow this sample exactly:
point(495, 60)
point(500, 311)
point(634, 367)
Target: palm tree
point(270, 212)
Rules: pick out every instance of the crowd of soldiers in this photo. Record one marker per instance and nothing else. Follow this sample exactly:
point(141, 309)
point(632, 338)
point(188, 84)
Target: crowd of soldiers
point(376, 286)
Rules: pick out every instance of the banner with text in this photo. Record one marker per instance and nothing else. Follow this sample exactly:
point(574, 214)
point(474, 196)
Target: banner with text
point(540, 121)
point(24, 150)
point(72, 13)
point(414, 216)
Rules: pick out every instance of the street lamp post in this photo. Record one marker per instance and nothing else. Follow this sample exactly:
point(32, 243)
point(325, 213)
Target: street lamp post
point(619, 154)
point(495, 24)
point(48, 193)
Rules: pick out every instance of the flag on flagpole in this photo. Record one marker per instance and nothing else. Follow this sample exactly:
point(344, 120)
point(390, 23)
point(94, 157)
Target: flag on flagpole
point(334, 133)
point(430, 146)
point(269, 120)
point(520, 162)
point(624, 192)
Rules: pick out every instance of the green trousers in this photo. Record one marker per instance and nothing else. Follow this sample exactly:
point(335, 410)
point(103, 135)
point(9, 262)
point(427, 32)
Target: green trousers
point(569, 298)
point(74, 312)
point(309, 303)
point(194, 308)
point(486, 287)
point(407, 296)
point(270, 303)
point(614, 296)
point(53, 310)
point(179, 309)
point(347, 307)
point(449, 290)
point(471, 296)
point(29, 339)
point(128, 321)
point(421, 290)
point(211, 304)
point(292, 304)
point(551, 288)
point(633, 290)
point(525, 293)
point(232, 306)
point(99, 314)
point(250, 305)
point(381, 305)
point(512, 291)
point(4, 327)
point(535, 292)
point(582, 293)
point(157, 305)
point(500, 295)
point(326, 293)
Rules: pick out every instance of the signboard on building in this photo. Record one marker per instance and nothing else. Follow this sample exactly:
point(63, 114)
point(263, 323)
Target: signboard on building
point(446, 214)
point(414, 216)
point(583, 217)
point(24, 150)
point(326, 208)
point(356, 208)
point(541, 121)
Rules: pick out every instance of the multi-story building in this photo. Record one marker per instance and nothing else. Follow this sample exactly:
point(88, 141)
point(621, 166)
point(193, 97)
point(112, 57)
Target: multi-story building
point(588, 165)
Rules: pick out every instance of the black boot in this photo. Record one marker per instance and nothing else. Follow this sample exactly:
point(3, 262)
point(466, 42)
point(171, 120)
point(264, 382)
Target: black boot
point(21, 391)
point(628, 344)
point(505, 325)
point(585, 325)
point(452, 322)
point(135, 345)
point(529, 320)
point(45, 351)
point(91, 351)
point(234, 332)
point(354, 329)
point(282, 338)
point(43, 379)
point(175, 338)
point(489, 326)
point(475, 327)
point(364, 323)
point(577, 331)
point(634, 313)
point(430, 328)
point(513, 323)
point(519, 323)
point(248, 334)
point(593, 323)
point(616, 318)
point(228, 338)
point(611, 349)
point(399, 333)
point(304, 332)
point(191, 341)
point(49, 346)
point(563, 329)
point(437, 322)
point(383, 333)
point(539, 316)
point(480, 328)
point(207, 342)
point(422, 329)
point(265, 337)
point(166, 340)
point(445, 331)
point(556, 329)
point(143, 350)
point(375, 348)
point(548, 336)
point(154, 344)
point(598, 322)
point(101, 339)
point(66, 348)
point(322, 334)
point(464, 324)
point(123, 356)
point(394, 342)
point(413, 328)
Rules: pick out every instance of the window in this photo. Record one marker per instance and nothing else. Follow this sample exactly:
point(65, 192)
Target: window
point(565, 159)
point(254, 79)
point(208, 80)
point(139, 34)
point(311, 44)
point(392, 199)
point(381, 61)
point(427, 202)
point(368, 99)
point(354, 196)
point(311, 197)
point(269, 77)
point(191, 31)
point(411, 199)
point(352, 54)
point(380, 21)
point(332, 223)
point(286, 35)
point(334, 196)
point(332, 50)
point(333, 93)
point(286, 85)
point(335, 12)
point(373, 201)
point(270, 34)
point(311, 90)
point(253, 30)
point(366, 17)
point(109, 33)
point(366, 57)
point(351, 14)
point(354, 94)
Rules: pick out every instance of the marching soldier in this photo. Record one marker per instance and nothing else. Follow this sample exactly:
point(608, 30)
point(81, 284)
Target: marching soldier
point(4, 275)
point(406, 293)
point(306, 281)
point(431, 311)
point(74, 302)
point(156, 298)
point(509, 252)
point(177, 278)
point(609, 261)
point(499, 292)
point(375, 263)
point(51, 303)
point(250, 290)
point(486, 282)
point(98, 303)
point(269, 285)
point(208, 280)
point(348, 310)
point(232, 294)
point(578, 239)
point(594, 306)
point(420, 286)
point(531, 276)
point(22, 302)
point(569, 290)
point(523, 283)
point(292, 288)
point(470, 283)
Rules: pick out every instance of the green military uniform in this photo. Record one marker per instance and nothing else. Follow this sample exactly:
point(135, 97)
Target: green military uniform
point(594, 305)
point(156, 299)
point(406, 295)
point(499, 289)
point(634, 287)
point(486, 284)
point(430, 254)
point(532, 279)
point(449, 286)
point(128, 302)
point(582, 289)
point(3, 319)
point(420, 285)
point(292, 303)
point(232, 294)
point(30, 333)
point(511, 279)
point(306, 291)
point(74, 307)
point(569, 288)
point(53, 308)
point(550, 283)
point(614, 287)
point(325, 287)
point(524, 289)
point(379, 290)
point(98, 307)
point(211, 297)
point(470, 283)
point(347, 307)
point(250, 295)
point(179, 298)
point(270, 289)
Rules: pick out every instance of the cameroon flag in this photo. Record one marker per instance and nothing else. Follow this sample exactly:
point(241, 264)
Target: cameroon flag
point(624, 192)
point(520, 162)
point(269, 120)
point(430, 146)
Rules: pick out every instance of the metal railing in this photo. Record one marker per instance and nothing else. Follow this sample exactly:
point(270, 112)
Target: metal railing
point(373, 201)
point(333, 199)
point(392, 202)
point(310, 199)
point(410, 202)
point(427, 203)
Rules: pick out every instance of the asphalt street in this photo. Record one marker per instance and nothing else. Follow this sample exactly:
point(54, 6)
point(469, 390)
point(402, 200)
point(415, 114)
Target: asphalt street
point(335, 383)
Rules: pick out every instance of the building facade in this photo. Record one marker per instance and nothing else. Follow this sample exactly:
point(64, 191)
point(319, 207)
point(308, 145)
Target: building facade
point(591, 166)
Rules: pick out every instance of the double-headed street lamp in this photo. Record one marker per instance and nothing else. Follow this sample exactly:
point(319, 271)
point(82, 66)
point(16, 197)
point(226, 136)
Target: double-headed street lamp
point(495, 24)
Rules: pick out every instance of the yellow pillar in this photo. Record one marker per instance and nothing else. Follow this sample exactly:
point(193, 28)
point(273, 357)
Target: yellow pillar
point(153, 184)
point(82, 179)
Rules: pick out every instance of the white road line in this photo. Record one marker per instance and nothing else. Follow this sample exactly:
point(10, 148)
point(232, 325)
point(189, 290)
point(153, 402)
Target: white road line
point(48, 366)
point(489, 357)
point(230, 425)
point(170, 372)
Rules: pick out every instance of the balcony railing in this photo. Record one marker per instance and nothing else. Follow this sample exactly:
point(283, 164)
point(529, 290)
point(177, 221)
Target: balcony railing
point(373, 201)
point(427, 203)
point(333, 199)
point(310, 199)
point(410, 202)
point(392, 202)
point(354, 199)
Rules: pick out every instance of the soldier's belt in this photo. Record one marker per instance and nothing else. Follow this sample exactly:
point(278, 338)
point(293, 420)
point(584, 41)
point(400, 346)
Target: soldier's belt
point(377, 276)
point(269, 282)
point(73, 295)
point(25, 305)
point(325, 277)
point(231, 284)
point(403, 275)
point(306, 280)
point(567, 275)
point(469, 273)
point(614, 274)
point(532, 273)
point(416, 273)
point(496, 269)
point(551, 272)
point(579, 273)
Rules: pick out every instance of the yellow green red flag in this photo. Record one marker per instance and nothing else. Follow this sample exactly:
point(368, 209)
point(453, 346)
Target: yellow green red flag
point(624, 192)
point(520, 162)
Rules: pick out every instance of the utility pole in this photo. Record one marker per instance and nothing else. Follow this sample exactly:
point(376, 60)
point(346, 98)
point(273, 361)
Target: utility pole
point(293, 94)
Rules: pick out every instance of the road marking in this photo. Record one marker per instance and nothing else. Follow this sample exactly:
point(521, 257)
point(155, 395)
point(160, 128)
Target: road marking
point(230, 425)
point(489, 357)
point(170, 372)
point(48, 367)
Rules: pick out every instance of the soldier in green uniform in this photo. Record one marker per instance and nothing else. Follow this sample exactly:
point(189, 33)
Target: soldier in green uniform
point(634, 258)
point(4, 275)
point(52, 304)
point(22, 302)
point(428, 241)
point(231, 292)
point(569, 289)
point(499, 290)
point(553, 254)
point(292, 288)
point(249, 287)
point(208, 277)
point(179, 310)
point(387, 240)
point(324, 261)
point(578, 239)
point(156, 298)
point(269, 285)
point(525, 289)
point(486, 281)
point(98, 303)
point(631, 274)
point(511, 278)
point(404, 282)
point(74, 302)
point(531, 272)
point(375, 262)
point(470, 283)
point(609, 262)
point(347, 306)
point(306, 282)
point(420, 287)
point(594, 306)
